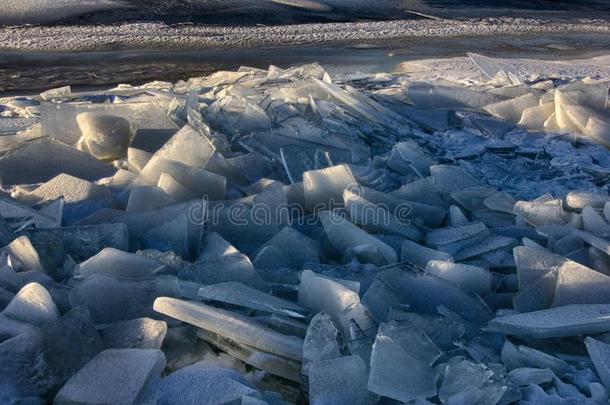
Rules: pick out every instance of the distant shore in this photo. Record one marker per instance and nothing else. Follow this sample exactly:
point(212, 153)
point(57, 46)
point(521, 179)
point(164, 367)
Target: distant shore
point(75, 38)
point(36, 57)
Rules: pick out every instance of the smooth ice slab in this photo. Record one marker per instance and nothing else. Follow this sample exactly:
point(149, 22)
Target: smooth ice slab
point(471, 278)
point(268, 362)
point(111, 299)
point(425, 293)
point(397, 375)
point(320, 293)
point(122, 264)
point(188, 146)
point(41, 160)
point(199, 181)
point(321, 342)
point(298, 248)
point(244, 296)
point(347, 238)
point(59, 119)
point(232, 326)
point(599, 352)
point(116, 376)
point(569, 320)
point(324, 188)
point(420, 255)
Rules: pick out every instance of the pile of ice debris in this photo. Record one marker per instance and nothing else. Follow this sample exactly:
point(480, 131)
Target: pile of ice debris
point(277, 236)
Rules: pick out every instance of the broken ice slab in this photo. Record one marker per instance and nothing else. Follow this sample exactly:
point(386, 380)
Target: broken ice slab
point(528, 375)
point(146, 198)
point(42, 159)
point(174, 189)
point(404, 210)
point(420, 255)
point(578, 284)
point(111, 299)
point(457, 216)
point(519, 357)
point(467, 381)
point(490, 67)
point(244, 296)
point(409, 158)
point(490, 245)
point(425, 95)
point(454, 239)
point(229, 267)
point(512, 110)
point(139, 333)
point(602, 244)
point(593, 222)
point(81, 198)
point(378, 218)
point(188, 146)
point(32, 304)
point(322, 341)
point(599, 352)
point(542, 212)
point(338, 381)
point(421, 191)
point(118, 376)
point(271, 363)
point(413, 341)
point(122, 264)
point(233, 326)
point(598, 130)
point(298, 248)
point(320, 293)
point(348, 238)
point(83, 242)
point(324, 188)
point(533, 264)
point(533, 118)
point(448, 179)
point(179, 235)
point(424, 293)
point(137, 159)
point(59, 119)
point(199, 181)
point(379, 299)
point(569, 320)
point(201, 383)
point(397, 375)
point(23, 255)
point(501, 202)
point(471, 278)
point(298, 160)
point(49, 355)
point(473, 198)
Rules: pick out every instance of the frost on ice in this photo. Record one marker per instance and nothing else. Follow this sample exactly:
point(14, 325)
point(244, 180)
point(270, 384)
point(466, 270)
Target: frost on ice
point(281, 236)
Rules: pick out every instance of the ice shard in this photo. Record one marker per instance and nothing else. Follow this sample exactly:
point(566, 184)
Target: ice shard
point(232, 326)
point(569, 320)
point(242, 295)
